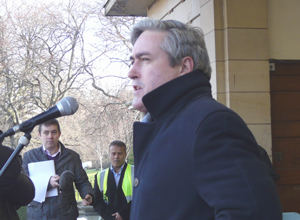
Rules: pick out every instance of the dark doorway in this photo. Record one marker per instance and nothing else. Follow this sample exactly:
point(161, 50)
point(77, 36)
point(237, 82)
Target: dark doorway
point(285, 119)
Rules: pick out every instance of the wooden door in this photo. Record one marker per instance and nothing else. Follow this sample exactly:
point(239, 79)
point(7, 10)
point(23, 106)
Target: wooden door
point(285, 119)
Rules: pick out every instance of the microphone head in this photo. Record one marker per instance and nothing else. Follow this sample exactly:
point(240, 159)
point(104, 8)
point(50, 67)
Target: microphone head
point(67, 106)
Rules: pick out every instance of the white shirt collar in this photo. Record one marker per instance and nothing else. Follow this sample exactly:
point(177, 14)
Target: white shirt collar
point(53, 155)
point(121, 168)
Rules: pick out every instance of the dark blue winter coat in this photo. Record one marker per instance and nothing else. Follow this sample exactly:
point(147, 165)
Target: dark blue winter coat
point(197, 159)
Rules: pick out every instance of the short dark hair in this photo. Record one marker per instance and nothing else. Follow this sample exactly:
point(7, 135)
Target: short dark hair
point(48, 123)
point(118, 144)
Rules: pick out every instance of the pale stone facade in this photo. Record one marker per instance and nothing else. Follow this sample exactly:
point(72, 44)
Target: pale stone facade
point(241, 37)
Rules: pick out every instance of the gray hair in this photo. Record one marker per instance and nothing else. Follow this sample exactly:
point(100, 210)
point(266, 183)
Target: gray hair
point(181, 41)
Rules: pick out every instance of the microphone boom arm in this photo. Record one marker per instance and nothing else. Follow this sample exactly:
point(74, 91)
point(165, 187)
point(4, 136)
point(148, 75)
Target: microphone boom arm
point(23, 141)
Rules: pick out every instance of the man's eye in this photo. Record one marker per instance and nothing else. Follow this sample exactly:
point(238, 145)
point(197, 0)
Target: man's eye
point(131, 63)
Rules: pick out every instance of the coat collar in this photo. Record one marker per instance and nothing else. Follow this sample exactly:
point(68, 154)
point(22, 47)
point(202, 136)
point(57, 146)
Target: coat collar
point(175, 94)
point(64, 156)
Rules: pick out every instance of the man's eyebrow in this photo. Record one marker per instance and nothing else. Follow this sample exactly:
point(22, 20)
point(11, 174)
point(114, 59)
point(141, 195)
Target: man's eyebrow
point(138, 55)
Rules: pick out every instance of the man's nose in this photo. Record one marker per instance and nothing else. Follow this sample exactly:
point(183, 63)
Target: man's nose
point(133, 72)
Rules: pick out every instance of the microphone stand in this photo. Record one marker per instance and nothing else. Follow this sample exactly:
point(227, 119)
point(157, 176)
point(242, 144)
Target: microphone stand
point(23, 141)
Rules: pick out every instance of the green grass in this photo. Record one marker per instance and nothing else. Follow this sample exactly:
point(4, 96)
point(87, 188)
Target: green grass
point(22, 212)
point(91, 175)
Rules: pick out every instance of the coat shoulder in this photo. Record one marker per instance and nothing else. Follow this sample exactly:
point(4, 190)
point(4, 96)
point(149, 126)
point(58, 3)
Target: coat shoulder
point(201, 108)
point(31, 152)
point(72, 152)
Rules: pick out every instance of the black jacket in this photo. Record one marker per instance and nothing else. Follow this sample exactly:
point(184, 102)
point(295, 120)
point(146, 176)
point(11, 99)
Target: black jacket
point(16, 188)
point(116, 198)
point(197, 159)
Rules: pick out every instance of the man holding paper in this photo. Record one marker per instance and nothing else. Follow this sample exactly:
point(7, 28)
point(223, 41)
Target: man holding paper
point(53, 169)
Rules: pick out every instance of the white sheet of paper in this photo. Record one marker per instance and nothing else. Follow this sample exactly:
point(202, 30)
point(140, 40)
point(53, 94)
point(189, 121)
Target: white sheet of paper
point(40, 173)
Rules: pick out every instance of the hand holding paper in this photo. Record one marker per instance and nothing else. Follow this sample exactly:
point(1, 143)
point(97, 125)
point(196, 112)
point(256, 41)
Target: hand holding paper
point(40, 174)
point(54, 181)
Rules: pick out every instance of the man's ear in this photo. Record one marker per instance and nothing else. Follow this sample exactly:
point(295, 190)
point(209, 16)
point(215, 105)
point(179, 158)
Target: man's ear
point(187, 65)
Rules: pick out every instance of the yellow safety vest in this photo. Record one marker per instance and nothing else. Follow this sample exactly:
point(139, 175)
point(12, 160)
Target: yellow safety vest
point(126, 184)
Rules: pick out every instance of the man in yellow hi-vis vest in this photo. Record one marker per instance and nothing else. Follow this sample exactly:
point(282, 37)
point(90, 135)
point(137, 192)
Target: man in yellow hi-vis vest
point(113, 186)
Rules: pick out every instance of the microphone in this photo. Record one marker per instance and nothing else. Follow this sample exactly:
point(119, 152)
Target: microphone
point(66, 106)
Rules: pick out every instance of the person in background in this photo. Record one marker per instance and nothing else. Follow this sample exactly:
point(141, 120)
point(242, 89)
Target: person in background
point(194, 157)
point(68, 168)
point(113, 186)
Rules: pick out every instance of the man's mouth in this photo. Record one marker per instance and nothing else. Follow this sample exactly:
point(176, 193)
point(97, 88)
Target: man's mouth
point(136, 88)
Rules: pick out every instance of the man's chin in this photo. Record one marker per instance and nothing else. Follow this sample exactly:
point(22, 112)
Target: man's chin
point(51, 146)
point(139, 106)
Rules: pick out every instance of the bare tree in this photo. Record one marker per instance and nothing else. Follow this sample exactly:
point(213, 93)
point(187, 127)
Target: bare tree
point(108, 119)
point(52, 50)
point(113, 49)
point(42, 57)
